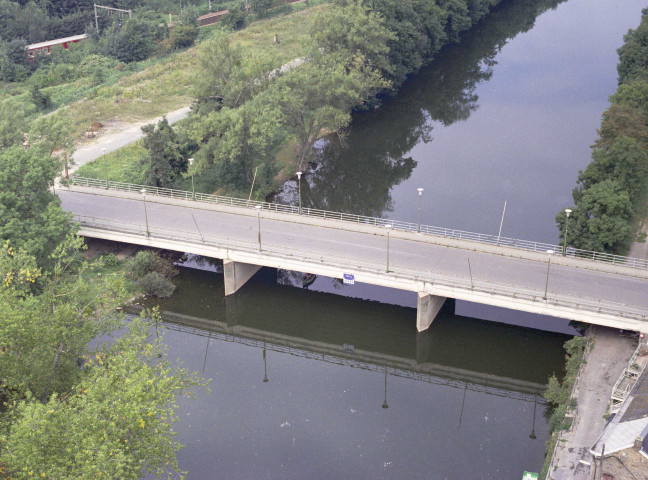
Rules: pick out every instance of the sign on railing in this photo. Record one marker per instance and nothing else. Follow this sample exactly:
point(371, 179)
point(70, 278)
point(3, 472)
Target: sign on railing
point(360, 219)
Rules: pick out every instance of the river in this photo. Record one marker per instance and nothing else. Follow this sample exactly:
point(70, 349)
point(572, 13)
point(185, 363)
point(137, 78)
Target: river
point(314, 383)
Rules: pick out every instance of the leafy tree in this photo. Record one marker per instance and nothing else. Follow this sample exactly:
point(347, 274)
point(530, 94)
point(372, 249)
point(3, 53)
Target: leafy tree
point(39, 98)
point(622, 121)
point(261, 7)
point(13, 123)
point(633, 95)
point(164, 161)
point(236, 17)
point(633, 55)
point(229, 75)
point(319, 96)
point(131, 42)
point(625, 162)
point(53, 135)
point(30, 216)
point(351, 30)
point(183, 36)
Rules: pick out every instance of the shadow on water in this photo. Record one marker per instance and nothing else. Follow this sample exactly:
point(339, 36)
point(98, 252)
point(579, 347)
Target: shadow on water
point(356, 174)
point(462, 348)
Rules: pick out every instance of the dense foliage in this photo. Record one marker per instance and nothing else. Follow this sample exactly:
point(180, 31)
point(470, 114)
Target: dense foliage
point(612, 186)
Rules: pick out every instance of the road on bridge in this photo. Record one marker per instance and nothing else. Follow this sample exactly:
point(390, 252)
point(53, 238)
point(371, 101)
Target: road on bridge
point(407, 251)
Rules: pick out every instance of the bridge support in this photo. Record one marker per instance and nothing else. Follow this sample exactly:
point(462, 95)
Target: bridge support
point(237, 274)
point(427, 308)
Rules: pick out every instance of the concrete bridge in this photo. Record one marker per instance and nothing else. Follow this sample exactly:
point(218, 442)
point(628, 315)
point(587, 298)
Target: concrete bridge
point(435, 263)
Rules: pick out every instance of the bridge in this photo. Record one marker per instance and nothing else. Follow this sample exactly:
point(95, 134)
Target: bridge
point(435, 263)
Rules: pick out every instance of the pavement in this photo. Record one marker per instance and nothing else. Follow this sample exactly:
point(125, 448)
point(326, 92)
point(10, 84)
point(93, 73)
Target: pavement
point(606, 360)
point(119, 137)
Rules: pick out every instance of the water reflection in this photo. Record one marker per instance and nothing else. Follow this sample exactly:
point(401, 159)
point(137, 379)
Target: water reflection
point(357, 173)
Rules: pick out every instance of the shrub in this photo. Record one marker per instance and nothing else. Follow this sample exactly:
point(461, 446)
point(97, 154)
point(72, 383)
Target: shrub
point(143, 263)
point(183, 36)
point(110, 260)
point(155, 284)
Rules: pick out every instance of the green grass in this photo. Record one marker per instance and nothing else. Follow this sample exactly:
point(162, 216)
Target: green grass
point(122, 165)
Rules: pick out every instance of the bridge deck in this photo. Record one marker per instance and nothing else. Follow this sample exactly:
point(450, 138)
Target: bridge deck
point(611, 295)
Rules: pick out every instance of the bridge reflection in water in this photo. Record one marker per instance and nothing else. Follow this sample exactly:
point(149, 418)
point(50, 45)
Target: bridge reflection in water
point(459, 352)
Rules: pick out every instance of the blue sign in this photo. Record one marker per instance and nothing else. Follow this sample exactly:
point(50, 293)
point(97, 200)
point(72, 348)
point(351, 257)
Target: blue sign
point(349, 279)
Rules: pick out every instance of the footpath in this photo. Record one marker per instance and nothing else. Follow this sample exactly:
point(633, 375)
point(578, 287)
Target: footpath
point(605, 361)
point(119, 136)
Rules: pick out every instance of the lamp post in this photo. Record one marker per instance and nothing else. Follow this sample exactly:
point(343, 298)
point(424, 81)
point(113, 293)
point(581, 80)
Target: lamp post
point(384, 405)
point(388, 227)
point(105, 166)
point(265, 366)
point(143, 192)
point(420, 192)
point(299, 174)
point(550, 252)
point(258, 209)
point(193, 190)
point(533, 435)
point(568, 213)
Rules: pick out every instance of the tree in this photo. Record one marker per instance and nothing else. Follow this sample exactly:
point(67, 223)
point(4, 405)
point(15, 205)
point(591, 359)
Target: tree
point(131, 42)
point(229, 76)
point(52, 135)
point(13, 124)
point(39, 98)
point(164, 161)
point(622, 121)
point(236, 17)
point(633, 55)
point(319, 95)
point(183, 36)
point(261, 7)
point(625, 162)
point(30, 216)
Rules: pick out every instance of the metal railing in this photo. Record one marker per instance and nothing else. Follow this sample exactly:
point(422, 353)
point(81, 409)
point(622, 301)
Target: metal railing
point(363, 220)
point(368, 267)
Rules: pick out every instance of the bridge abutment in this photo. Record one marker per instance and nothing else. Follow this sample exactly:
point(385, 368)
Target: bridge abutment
point(427, 308)
point(237, 274)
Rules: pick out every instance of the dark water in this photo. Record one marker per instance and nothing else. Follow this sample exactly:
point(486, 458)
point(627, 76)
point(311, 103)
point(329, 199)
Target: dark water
point(314, 383)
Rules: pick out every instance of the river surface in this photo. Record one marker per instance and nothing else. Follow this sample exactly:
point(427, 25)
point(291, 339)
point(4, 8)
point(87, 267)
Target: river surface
point(310, 382)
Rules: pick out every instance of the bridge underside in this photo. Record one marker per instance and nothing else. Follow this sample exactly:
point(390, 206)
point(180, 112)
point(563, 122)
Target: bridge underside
point(240, 266)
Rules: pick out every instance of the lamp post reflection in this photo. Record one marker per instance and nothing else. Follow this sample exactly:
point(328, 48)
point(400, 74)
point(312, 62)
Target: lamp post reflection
point(265, 365)
point(384, 405)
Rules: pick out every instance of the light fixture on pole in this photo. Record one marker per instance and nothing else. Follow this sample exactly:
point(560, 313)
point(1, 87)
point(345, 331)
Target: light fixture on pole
point(388, 227)
point(420, 192)
point(193, 190)
point(258, 209)
point(105, 166)
point(143, 192)
point(550, 252)
point(299, 174)
point(265, 366)
point(384, 405)
point(568, 213)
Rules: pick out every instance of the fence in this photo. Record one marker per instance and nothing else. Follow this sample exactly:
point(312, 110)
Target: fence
point(363, 220)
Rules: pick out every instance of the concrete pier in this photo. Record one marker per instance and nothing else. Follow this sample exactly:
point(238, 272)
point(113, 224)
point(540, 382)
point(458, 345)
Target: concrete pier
point(427, 308)
point(237, 274)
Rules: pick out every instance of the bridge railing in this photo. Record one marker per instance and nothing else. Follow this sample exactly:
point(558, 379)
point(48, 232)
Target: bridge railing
point(364, 220)
point(352, 265)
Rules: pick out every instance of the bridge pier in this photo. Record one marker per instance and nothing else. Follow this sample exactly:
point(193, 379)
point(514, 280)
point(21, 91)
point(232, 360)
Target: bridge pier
point(427, 308)
point(237, 274)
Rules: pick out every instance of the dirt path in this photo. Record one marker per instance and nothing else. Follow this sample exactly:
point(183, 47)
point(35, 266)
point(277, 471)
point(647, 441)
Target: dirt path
point(119, 135)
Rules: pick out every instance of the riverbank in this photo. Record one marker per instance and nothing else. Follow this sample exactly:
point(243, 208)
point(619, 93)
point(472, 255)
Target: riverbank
point(608, 356)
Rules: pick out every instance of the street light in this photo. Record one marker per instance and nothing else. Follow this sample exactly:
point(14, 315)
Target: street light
point(384, 405)
point(299, 174)
point(265, 366)
point(567, 212)
point(533, 435)
point(105, 166)
point(193, 190)
point(388, 227)
point(420, 192)
point(258, 209)
point(550, 252)
point(143, 192)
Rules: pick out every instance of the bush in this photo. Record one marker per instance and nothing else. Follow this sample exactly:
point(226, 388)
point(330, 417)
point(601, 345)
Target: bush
point(40, 99)
point(155, 284)
point(183, 36)
point(144, 262)
point(110, 260)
